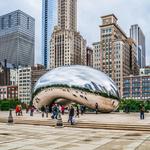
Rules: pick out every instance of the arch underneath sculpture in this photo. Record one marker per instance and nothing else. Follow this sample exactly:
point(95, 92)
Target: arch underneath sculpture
point(49, 95)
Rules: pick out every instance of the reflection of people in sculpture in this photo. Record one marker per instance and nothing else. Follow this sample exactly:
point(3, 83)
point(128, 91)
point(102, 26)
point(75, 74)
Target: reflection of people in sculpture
point(113, 102)
point(96, 108)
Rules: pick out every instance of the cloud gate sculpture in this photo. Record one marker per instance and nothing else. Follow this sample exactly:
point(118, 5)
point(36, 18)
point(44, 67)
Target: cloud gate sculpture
point(78, 84)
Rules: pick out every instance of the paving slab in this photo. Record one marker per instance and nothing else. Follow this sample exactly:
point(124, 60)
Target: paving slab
point(32, 137)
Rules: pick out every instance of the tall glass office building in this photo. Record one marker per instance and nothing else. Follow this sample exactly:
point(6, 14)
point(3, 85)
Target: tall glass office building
point(17, 34)
point(137, 35)
point(49, 20)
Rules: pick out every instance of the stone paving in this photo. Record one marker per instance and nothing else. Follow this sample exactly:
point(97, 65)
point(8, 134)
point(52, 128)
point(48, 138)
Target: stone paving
point(29, 137)
point(120, 118)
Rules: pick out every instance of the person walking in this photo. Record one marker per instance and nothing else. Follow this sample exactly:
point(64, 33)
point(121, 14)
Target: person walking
point(71, 115)
point(96, 108)
point(142, 110)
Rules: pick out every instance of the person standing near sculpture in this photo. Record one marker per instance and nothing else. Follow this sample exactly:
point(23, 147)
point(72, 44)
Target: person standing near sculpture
point(55, 111)
point(77, 111)
point(71, 115)
point(142, 110)
point(96, 108)
point(47, 110)
point(43, 110)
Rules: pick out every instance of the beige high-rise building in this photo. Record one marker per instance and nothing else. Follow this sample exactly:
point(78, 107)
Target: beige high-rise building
point(67, 14)
point(116, 51)
point(96, 55)
point(67, 46)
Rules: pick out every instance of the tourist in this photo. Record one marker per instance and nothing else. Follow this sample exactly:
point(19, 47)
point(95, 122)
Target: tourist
point(71, 115)
point(62, 109)
point(20, 110)
point(27, 108)
point(42, 110)
point(17, 110)
point(46, 110)
point(77, 111)
point(84, 109)
point(81, 109)
point(55, 111)
point(31, 110)
point(142, 110)
point(96, 108)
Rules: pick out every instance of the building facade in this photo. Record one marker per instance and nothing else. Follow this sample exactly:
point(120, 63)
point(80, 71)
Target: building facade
point(5, 73)
point(17, 32)
point(136, 87)
point(114, 50)
point(37, 72)
point(14, 76)
point(96, 56)
point(89, 57)
point(138, 36)
point(49, 20)
point(67, 46)
point(8, 92)
point(117, 51)
point(27, 77)
point(24, 84)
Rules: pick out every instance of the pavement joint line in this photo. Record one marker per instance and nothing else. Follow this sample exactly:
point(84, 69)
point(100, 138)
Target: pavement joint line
point(142, 142)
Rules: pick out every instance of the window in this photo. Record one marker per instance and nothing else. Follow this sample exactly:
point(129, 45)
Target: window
point(2, 23)
point(28, 23)
point(9, 21)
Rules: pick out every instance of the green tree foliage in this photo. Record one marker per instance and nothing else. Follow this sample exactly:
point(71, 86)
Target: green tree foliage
point(133, 105)
point(8, 104)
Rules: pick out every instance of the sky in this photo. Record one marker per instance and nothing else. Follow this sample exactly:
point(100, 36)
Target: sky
point(128, 12)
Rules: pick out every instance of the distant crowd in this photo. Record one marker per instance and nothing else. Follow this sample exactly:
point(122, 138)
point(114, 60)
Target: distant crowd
point(73, 111)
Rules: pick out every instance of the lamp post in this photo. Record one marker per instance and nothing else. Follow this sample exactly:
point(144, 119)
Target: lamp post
point(10, 118)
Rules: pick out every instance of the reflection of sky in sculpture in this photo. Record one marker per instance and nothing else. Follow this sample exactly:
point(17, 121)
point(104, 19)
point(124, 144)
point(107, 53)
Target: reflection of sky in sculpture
point(81, 76)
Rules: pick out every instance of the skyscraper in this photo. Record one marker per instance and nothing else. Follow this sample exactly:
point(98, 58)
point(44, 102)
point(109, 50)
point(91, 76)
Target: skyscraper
point(137, 35)
point(67, 14)
point(117, 53)
point(49, 20)
point(17, 33)
point(67, 46)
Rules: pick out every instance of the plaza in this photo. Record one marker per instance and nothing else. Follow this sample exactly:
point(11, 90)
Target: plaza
point(29, 133)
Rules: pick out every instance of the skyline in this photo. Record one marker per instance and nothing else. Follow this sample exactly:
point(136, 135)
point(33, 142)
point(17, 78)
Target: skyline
point(89, 26)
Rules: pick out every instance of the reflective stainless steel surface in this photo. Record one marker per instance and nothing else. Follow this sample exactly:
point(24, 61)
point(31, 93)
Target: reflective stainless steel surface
point(85, 85)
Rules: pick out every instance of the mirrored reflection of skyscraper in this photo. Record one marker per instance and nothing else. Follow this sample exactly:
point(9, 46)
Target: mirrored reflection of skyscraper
point(49, 20)
point(137, 35)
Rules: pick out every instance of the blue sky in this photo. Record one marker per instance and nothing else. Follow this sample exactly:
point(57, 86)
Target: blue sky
point(128, 12)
